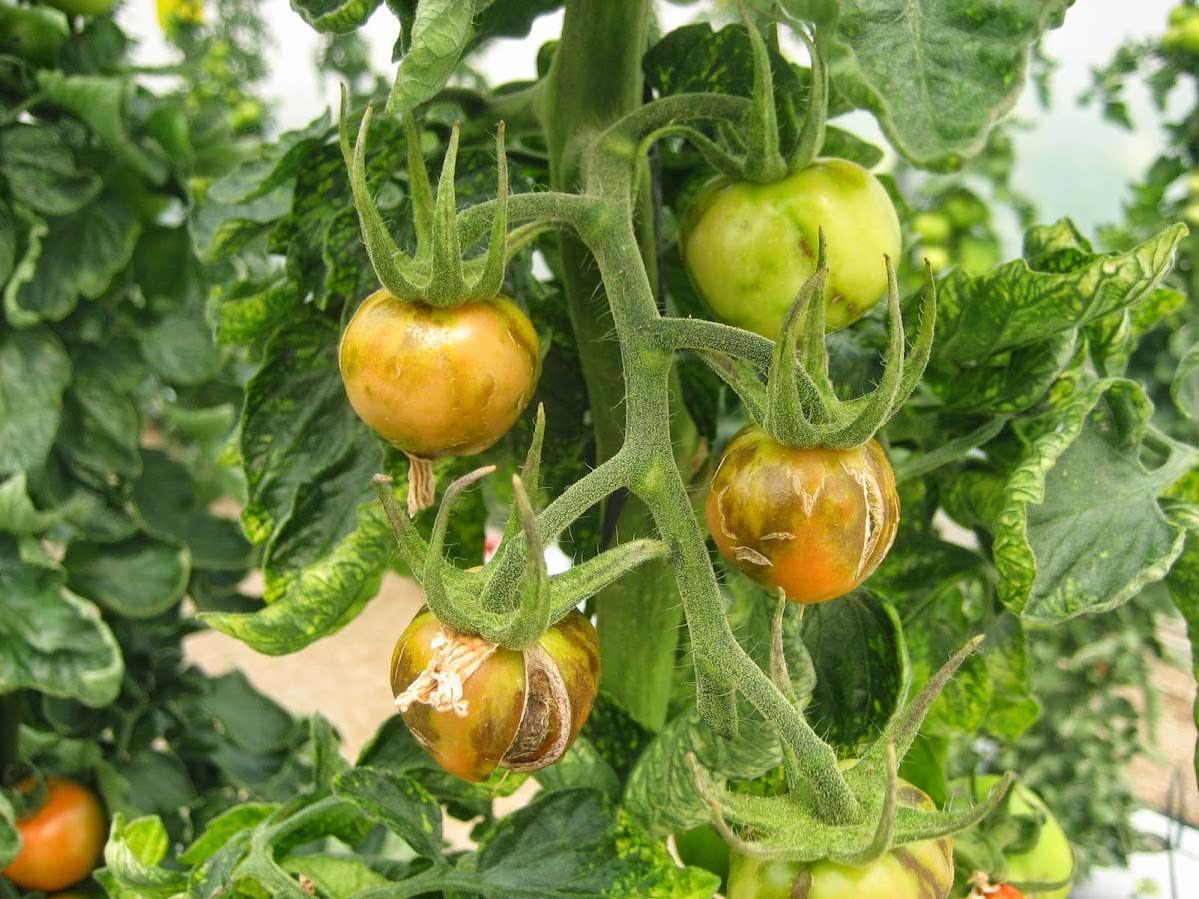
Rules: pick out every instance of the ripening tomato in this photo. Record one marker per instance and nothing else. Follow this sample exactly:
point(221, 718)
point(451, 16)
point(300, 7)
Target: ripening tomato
point(750, 247)
point(474, 705)
point(62, 840)
point(1050, 859)
point(1006, 891)
point(814, 521)
point(439, 381)
point(921, 870)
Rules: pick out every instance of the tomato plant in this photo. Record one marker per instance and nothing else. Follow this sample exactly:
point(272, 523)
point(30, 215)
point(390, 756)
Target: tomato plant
point(667, 281)
point(61, 840)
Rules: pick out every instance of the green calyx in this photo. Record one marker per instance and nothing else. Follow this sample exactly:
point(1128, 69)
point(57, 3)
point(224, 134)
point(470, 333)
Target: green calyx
point(532, 600)
point(798, 406)
point(790, 826)
point(438, 273)
point(759, 156)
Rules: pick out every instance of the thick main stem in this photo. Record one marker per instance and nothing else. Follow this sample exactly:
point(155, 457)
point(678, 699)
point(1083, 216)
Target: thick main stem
point(660, 484)
point(596, 80)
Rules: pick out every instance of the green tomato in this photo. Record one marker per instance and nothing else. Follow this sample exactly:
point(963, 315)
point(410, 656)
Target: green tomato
point(703, 847)
point(33, 33)
point(921, 870)
point(1189, 37)
point(750, 247)
point(938, 257)
point(1172, 39)
point(1190, 213)
point(83, 7)
point(934, 227)
point(1192, 184)
point(1050, 859)
point(1180, 14)
point(976, 255)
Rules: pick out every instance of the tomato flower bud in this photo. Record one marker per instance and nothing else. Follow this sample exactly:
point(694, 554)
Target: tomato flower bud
point(475, 705)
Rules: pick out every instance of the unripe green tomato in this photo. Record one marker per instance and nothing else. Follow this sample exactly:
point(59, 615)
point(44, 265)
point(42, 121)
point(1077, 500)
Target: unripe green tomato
point(938, 257)
point(750, 247)
point(703, 847)
point(439, 381)
point(246, 114)
point(933, 227)
point(1180, 14)
point(1190, 213)
point(474, 705)
point(33, 33)
point(814, 521)
point(1189, 38)
point(1050, 860)
point(1172, 39)
point(1192, 184)
point(965, 210)
point(83, 7)
point(921, 870)
point(976, 256)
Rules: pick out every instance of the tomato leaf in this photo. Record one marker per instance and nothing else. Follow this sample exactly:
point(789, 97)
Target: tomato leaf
point(1062, 286)
point(10, 840)
point(253, 721)
point(441, 30)
point(71, 257)
point(42, 172)
point(858, 650)
point(167, 505)
point(17, 512)
point(101, 102)
point(1080, 489)
point(568, 843)
point(936, 73)
point(135, 849)
point(401, 805)
point(334, 875)
point(138, 578)
point(335, 16)
point(52, 640)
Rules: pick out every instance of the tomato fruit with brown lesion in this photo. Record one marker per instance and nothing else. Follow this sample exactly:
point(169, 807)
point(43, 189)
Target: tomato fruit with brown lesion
point(750, 247)
point(439, 381)
point(922, 870)
point(814, 521)
point(475, 705)
point(62, 840)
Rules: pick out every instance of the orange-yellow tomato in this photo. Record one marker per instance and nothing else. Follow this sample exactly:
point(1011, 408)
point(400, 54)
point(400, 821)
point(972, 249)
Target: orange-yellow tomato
point(814, 521)
point(474, 705)
point(62, 840)
point(439, 381)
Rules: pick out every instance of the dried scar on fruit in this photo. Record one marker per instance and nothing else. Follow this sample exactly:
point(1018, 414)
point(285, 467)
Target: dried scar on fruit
point(455, 658)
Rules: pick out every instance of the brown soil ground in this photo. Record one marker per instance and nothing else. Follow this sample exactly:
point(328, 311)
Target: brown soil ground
point(344, 677)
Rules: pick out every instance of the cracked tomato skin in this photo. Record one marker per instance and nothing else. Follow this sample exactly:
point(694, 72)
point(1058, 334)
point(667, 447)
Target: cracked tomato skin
point(439, 381)
point(814, 521)
point(750, 247)
point(921, 870)
point(497, 695)
point(62, 840)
